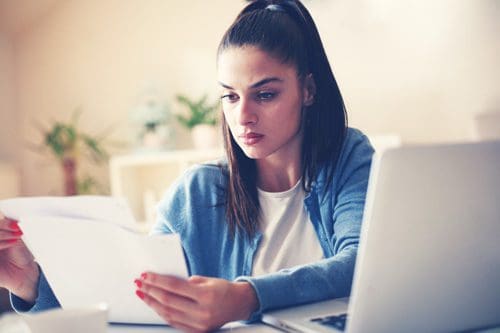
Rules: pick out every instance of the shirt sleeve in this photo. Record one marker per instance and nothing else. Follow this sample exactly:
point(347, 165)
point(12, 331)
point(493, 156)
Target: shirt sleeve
point(330, 277)
point(45, 300)
point(170, 211)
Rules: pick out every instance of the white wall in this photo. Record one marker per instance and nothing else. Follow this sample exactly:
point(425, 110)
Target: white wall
point(102, 56)
point(9, 143)
point(8, 116)
point(418, 69)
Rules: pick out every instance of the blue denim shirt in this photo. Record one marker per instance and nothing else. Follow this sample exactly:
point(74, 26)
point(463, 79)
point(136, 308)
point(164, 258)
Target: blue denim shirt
point(194, 208)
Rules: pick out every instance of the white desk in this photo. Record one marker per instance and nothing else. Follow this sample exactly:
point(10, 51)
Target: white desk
point(239, 328)
point(255, 328)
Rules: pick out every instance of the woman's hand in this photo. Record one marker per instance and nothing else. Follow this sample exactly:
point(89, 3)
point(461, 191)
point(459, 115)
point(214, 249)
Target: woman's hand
point(197, 304)
point(18, 270)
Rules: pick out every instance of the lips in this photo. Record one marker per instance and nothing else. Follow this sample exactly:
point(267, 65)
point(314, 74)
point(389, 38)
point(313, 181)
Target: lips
point(251, 138)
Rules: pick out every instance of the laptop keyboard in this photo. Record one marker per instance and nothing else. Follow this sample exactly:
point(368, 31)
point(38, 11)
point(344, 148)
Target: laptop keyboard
point(337, 321)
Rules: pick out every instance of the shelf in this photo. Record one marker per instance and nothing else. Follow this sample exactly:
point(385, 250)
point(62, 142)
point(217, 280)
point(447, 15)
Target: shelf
point(143, 178)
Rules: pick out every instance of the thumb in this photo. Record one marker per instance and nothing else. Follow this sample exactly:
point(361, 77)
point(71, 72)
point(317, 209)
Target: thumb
point(20, 255)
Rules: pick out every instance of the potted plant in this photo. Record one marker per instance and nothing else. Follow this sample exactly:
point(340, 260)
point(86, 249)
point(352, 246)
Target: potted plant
point(201, 121)
point(67, 143)
point(153, 118)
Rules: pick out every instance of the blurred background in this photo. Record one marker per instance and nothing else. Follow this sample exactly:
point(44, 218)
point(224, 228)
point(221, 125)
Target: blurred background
point(410, 72)
point(421, 70)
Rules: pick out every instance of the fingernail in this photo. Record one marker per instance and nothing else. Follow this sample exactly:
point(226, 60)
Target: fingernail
point(140, 294)
point(144, 276)
point(138, 283)
point(10, 241)
point(14, 225)
point(18, 233)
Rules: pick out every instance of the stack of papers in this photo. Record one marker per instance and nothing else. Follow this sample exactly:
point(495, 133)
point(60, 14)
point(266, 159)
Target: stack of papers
point(90, 253)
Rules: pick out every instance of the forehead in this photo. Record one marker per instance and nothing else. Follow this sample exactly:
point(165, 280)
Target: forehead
point(248, 64)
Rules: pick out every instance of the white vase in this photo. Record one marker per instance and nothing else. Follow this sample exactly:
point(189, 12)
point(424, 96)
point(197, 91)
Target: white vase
point(152, 140)
point(204, 137)
point(157, 139)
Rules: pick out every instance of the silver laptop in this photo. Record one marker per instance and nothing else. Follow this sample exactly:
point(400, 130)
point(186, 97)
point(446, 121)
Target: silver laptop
point(429, 256)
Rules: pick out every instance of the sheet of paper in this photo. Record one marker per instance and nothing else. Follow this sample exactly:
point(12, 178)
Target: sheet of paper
point(88, 258)
point(94, 207)
point(88, 262)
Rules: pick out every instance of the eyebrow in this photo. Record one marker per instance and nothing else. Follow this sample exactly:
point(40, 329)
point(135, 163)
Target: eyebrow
point(257, 84)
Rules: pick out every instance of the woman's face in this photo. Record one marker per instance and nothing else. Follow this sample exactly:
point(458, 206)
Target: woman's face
point(262, 101)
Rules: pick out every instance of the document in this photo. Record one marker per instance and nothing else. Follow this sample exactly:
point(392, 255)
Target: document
point(90, 254)
point(92, 207)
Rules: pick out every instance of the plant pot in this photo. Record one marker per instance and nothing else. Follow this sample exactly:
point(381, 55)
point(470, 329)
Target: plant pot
point(69, 170)
point(157, 138)
point(204, 137)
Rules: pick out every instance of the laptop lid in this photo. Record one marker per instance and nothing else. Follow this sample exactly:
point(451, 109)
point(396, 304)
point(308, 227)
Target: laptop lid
point(429, 257)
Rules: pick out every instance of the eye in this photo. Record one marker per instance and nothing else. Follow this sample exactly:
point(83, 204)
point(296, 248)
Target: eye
point(229, 97)
point(265, 95)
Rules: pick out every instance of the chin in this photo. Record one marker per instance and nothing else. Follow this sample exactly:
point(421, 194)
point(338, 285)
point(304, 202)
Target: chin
point(253, 153)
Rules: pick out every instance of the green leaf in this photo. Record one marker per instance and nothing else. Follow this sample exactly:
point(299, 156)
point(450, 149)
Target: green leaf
point(200, 112)
point(64, 139)
point(94, 147)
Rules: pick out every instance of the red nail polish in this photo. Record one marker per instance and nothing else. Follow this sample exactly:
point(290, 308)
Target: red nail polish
point(18, 233)
point(10, 241)
point(14, 225)
point(138, 283)
point(144, 276)
point(140, 294)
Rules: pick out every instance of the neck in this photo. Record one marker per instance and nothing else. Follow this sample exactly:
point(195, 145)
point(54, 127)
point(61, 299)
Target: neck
point(275, 174)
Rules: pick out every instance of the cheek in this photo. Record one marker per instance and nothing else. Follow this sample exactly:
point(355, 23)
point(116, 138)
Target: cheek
point(293, 117)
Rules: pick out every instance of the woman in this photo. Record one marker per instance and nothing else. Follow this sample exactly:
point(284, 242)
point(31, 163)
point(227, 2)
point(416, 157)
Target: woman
point(275, 224)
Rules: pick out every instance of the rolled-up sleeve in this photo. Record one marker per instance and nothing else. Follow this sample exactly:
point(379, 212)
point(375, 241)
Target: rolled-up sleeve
point(45, 300)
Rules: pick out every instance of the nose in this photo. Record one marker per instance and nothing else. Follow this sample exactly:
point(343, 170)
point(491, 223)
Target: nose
point(246, 113)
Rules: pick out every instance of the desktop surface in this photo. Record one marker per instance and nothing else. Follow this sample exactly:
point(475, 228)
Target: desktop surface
point(231, 327)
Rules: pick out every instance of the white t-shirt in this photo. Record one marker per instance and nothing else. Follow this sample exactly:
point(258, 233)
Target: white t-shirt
point(288, 236)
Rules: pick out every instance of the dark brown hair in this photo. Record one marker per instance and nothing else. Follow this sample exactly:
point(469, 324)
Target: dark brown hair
point(285, 30)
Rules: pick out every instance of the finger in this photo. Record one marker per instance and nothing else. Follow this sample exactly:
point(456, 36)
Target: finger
point(6, 235)
point(22, 256)
point(153, 304)
point(173, 317)
point(8, 224)
point(193, 322)
point(5, 244)
point(171, 284)
point(170, 300)
point(185, 328)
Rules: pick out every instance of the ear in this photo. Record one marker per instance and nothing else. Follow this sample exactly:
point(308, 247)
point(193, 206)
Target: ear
point(309, 90)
